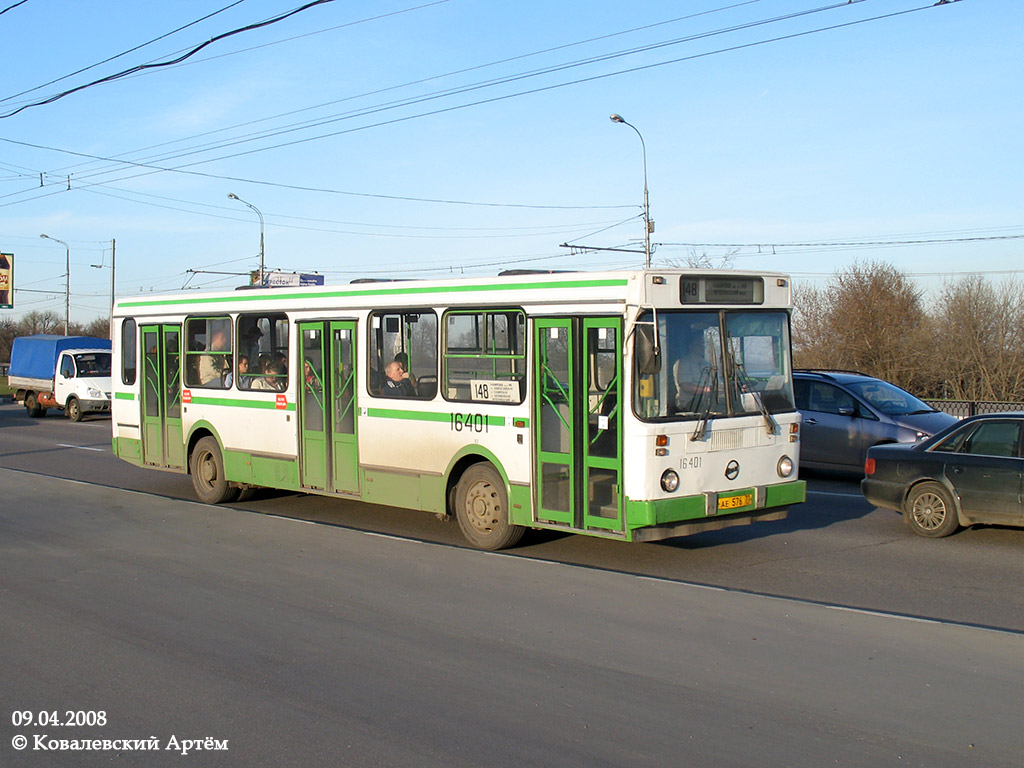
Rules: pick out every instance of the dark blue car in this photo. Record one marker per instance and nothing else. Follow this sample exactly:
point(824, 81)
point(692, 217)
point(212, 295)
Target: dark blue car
point(970, 473)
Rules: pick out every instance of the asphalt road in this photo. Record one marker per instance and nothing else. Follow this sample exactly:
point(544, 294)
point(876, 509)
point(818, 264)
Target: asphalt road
point(835, 549)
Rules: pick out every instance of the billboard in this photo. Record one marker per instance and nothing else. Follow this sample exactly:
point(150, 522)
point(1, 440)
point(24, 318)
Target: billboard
point(6, 281)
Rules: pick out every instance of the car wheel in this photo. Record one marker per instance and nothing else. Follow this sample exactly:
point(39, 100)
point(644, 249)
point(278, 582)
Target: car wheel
point(35, 410)
point(73, 409)
point(207, 465)
point(931, 511)
point(481, 507)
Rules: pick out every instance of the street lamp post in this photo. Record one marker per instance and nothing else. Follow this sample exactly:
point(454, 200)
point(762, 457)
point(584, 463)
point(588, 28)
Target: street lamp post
point(648, 224)
point(233, 196)
point(67, 283)
point(113, 262)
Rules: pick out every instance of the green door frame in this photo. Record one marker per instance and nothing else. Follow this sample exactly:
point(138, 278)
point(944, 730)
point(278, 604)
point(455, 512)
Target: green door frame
point(578, 422)
point(328, 418)
point(313, 444)
point(601, 385)
point(344, 414)
point(555, 432)
point(160, 403)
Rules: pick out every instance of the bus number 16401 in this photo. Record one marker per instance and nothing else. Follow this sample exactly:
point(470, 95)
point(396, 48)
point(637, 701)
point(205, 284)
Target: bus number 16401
point(471, 422)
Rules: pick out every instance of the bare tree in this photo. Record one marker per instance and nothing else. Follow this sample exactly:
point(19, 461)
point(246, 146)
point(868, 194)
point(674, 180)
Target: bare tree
point(867, 318)
point(979, 345)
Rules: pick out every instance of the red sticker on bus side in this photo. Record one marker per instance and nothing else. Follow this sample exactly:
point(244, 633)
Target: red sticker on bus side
point(186, 395)
point(282, 402)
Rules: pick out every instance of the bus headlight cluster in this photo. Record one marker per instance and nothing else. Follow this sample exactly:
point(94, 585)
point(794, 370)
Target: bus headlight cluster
point(785, 466)
point(669, 481)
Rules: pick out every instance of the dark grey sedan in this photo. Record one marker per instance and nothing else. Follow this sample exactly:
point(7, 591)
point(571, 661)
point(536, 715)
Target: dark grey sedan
point(970, 473)
point(845, 413)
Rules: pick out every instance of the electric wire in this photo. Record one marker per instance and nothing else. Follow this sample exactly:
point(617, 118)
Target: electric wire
point(142, 67)
point(123, 53)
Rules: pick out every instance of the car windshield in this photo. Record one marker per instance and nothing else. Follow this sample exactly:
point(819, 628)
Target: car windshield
point(704, 375)
point(93, 364)
point(888, 398)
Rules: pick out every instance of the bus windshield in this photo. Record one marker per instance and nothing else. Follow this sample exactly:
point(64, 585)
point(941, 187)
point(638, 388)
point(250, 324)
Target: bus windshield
point(716, 364)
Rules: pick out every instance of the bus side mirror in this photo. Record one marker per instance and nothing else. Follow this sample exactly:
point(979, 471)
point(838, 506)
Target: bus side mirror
point(648, 359)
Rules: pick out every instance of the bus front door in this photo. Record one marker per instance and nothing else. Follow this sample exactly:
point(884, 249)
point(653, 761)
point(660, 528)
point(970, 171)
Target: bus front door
point(162, 444)
point(329, 458)
point(578, 423)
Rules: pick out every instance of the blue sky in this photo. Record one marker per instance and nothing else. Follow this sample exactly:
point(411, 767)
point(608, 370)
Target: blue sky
point(897, 129)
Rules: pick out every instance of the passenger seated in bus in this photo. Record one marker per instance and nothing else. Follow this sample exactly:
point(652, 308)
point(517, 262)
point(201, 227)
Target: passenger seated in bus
point(244, 379)
point(396, 381)
point(403, 359)
point(212, 368)
point(309, 375)
point(273, 379)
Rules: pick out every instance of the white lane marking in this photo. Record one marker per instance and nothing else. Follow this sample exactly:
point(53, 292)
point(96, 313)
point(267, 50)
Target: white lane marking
point(83, 447)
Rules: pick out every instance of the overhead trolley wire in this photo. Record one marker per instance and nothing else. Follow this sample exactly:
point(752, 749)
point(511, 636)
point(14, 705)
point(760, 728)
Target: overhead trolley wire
point(119, 55)
point(141, 67)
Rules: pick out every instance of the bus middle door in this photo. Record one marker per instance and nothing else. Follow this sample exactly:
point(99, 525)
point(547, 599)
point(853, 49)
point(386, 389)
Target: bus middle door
point(329, 457)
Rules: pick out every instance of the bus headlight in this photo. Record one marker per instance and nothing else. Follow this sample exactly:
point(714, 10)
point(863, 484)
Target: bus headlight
point(785, 466)
point(669, 481)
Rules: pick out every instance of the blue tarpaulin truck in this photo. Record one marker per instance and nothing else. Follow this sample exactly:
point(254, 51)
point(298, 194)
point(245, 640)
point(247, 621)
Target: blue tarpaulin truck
point(71, 373)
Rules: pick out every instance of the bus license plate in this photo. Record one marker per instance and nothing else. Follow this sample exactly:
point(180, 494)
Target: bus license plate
point(735, 502)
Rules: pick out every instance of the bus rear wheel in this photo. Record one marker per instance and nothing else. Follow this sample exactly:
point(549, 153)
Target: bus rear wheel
point(208, 478)
point(481, 507)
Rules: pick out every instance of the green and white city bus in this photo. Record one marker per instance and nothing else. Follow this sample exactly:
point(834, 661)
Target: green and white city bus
point(633, 405)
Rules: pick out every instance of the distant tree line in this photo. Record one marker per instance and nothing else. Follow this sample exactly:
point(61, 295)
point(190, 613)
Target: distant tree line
point(966, 343)
point(46, 322)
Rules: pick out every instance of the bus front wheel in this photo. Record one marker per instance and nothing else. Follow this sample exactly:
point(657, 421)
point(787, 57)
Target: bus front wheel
point(208, 478)
point(481, 507)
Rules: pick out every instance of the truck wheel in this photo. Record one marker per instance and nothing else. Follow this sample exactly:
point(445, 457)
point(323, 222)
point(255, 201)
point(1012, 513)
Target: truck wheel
point(207, 466)
point(35, 410)
point(73, 409)
point(481, 507)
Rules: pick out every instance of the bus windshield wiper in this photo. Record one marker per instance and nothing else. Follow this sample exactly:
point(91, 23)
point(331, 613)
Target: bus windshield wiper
point(705, 387)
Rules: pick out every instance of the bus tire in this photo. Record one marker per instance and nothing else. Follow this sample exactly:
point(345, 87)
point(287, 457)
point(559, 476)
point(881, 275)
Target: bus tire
point(35, 410)
point(481, 507)
point(73, 409)
point(208, 478)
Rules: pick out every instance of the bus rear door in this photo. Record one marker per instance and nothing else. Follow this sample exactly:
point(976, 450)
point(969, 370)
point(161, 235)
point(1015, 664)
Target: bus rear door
point(162, 442)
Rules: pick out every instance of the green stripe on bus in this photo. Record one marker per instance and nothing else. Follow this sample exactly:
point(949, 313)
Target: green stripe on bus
point(124, 395)
point(357, 292)
point(387, 413)
point(233, 403)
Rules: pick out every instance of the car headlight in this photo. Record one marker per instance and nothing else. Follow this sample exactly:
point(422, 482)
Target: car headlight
point(669, 481)
point(94, 393)
point(785, 466)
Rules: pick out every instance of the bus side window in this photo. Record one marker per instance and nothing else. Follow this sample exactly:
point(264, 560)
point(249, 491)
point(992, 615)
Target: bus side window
point(408, 337)
point(128, 351)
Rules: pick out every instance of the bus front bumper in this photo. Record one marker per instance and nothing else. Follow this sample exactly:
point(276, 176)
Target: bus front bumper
point(668, 518)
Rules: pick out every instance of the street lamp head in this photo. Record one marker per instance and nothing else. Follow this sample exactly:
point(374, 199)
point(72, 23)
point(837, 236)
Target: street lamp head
point(233, 196)
point(616, 118)
point(46, 236)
